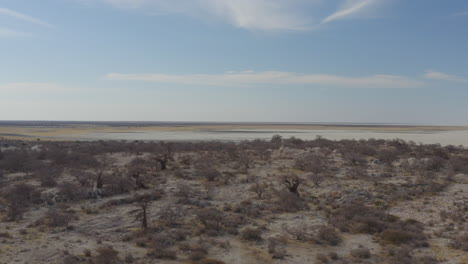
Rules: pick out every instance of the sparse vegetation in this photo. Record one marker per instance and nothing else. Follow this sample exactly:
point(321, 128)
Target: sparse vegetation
point(201, 201)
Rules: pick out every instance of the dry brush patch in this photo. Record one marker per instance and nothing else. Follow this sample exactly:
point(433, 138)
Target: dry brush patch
point(180, 202)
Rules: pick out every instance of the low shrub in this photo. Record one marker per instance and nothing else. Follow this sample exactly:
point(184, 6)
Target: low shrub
point(210, 261)
point(162, 253)
point(276, 248)
point(251, 234)
point(333, 255)
point(129, 258)
point(5, 235)
point(198, 254)
point(362, 253)
point(403, 256)
point(56, 218)
point(329, 235)
point(288, 202)
point(398, 237)
point(106, 255)
point(461, 242)
point(321, 258)
point(357, 218)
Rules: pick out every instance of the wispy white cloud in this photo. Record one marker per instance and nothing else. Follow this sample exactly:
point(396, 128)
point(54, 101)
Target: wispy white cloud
point(266, 15)
point(444, 77)
point(350, 9)
point(34, 87)
point(6, 32)
point(464, 13)
point(261, 14)
point(250, 78)
point(24, 17)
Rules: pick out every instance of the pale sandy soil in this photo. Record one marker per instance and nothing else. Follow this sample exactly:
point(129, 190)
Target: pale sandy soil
point(30, 244)
point(75, 131)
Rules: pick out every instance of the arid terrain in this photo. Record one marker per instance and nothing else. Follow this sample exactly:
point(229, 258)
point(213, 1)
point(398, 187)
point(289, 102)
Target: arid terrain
point(226, 131)
point(261, 201)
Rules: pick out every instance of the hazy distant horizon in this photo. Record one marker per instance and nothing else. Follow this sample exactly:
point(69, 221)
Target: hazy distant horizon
point(227, 131)
point(169, 122)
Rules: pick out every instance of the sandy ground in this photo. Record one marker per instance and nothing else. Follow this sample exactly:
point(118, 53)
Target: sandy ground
point(30, 244)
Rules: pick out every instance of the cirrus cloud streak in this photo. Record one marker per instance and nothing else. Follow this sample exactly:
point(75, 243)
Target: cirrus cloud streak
point(263, 15)
point(267, 15)
point(24, 17)
point(444, 77)
point(351, 9)
point(251, 78)
point(6, 32)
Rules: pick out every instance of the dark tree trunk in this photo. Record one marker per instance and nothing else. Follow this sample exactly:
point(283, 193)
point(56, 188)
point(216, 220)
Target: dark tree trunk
point(144, 219)
point(138, 182)
point(99, 181)
point(293, 186)
point(163, 162)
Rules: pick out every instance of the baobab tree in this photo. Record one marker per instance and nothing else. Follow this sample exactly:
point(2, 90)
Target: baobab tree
point(105, 163)
point(244, 161)
point(143, 202)
point(164, 157)
point(292, 182)
point(136, 170)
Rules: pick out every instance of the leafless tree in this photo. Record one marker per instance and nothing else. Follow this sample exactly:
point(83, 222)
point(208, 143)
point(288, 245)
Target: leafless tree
point(259, 189)
point(16, 161)
point(244, 161)
point(18, 198)
point(105, 163)
point(211, 218)
point(265, 155)
point(184, 193)
point(311, 162)
point(292, 182)
point(120, 183)
point(387, 156)
point(164, 157)
point(357, 173)
point(70, 191)
point(58, 217)
point(204, 169)
point(48, 176)
point(137, 170)
point(169, 215)
point(143, 202)
point(316, 178)
point(83, 177)
point(299, 231)
point(354, 158)
point(276, 141)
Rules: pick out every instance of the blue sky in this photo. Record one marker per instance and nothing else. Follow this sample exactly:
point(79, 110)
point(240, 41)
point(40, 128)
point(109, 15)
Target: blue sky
point(389, 61)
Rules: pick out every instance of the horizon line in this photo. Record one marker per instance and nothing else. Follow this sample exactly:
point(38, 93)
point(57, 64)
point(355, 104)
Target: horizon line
point(231, 122)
